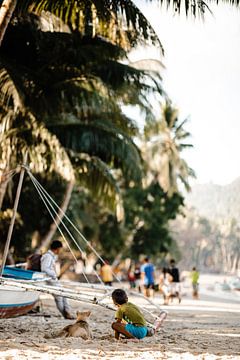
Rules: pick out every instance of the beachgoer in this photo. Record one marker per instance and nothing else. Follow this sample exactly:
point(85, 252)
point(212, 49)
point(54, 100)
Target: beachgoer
point(137, 274)
point(147, 275)
point(165, 281)
point(48, 263)
point(175, 284)
point(106, 273)
point(194, 277)
point(131, 277)
point(130, 321)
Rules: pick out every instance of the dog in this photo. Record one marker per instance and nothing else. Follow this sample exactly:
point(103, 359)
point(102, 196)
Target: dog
point(79, 329)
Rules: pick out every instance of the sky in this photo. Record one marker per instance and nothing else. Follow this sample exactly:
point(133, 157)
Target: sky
point(202, 77)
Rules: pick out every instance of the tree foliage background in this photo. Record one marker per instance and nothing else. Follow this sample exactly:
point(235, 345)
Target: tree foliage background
point(64, 78)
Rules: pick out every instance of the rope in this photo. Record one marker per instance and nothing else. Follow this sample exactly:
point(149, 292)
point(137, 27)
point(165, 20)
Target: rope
point(8, 175)
point(71, 223)
point(58, 226)
point(44, 195)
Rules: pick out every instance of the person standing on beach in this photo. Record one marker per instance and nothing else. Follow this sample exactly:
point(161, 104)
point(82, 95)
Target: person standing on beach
point(106, 273)
point(194, 279)
point(165, 280)
point(147, 275)
point(137, 274)
point(48, 266)
point(175, 284)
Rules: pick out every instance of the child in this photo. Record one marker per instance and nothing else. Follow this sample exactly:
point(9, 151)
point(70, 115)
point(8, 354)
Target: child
point(195, 278)
point(129, 319)
point(165, 280)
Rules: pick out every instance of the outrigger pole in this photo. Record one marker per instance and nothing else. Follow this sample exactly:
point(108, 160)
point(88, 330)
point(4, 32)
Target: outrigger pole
point(67, 293)
point(10, 230)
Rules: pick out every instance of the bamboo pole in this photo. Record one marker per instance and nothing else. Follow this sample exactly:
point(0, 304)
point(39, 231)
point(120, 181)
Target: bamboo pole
point(53, 291)
point(100, 287)
point(10, 230)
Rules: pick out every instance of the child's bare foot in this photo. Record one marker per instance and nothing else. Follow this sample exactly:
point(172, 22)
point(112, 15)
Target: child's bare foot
point(160, 319)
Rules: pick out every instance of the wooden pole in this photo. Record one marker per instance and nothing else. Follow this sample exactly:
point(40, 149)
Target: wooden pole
point(6, 10)
point(54, 291)
point(10, 230)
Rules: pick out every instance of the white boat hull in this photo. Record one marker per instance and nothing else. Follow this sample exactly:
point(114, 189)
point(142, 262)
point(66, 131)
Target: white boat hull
point(14, 302)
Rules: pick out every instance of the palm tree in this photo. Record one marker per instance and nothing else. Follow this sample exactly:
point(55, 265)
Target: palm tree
point(165, 142)
point(73, 94)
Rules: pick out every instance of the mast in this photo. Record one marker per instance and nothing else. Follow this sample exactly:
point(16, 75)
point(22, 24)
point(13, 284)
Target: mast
point(10, 230)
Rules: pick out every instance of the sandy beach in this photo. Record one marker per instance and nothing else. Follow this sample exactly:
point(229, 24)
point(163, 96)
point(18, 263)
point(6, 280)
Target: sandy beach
point(208, 328)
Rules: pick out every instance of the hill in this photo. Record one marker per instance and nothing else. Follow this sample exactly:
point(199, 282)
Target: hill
point(215, 201)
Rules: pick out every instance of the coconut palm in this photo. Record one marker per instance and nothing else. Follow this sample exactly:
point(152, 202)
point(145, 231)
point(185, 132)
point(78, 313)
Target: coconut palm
point(165, 143)
point(72, 93)
point(59, 81)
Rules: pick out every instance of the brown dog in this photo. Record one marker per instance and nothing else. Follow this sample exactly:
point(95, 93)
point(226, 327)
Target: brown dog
point(79, 329)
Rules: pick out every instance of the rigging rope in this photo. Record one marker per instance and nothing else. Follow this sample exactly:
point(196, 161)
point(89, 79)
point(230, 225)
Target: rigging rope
point(46, 198)
point(6, 176)
point(71, 223)
point(54, 219)
point(65, 227)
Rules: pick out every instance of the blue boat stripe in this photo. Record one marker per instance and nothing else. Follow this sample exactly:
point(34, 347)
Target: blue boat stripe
point(16, 305)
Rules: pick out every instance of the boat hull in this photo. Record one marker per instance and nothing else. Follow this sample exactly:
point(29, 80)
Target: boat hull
point(15, 302)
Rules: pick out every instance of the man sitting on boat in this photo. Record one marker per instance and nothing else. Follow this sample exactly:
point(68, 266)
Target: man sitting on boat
point(48, 262)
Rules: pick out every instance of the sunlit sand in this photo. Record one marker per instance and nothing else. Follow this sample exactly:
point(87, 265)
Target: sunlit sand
point(195, 329)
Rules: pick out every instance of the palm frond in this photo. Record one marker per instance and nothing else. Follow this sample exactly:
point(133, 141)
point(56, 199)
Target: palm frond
point(64, 73)
point(191, 7)
point(105, 141)
point(120, 21)
point(95, 175)
point(10, 96)
point(45, 153)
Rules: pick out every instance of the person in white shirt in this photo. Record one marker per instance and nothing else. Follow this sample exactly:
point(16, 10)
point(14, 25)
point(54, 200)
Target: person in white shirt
point(48, 262)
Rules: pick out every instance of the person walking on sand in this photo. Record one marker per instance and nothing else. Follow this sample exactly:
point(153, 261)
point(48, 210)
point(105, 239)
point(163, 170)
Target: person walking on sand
point(106, 273)
point(137, 275)
point(130, 321)
point(194, 278)
point(131, 276)
point(175, 284)
point(147, 275)
point(48, 266)
point(165, 280)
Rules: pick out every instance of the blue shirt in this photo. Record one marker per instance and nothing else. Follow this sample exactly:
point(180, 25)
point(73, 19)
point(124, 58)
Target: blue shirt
point(148, 270)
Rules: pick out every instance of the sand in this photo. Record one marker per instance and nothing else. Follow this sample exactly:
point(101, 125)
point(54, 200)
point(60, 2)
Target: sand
point(208, 328)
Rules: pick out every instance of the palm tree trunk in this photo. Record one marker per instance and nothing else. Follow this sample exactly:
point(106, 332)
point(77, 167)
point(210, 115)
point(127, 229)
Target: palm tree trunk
point(3, 188)
point(48, 237)
point(6, 10)
point(234, 264)
point(4, 178)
